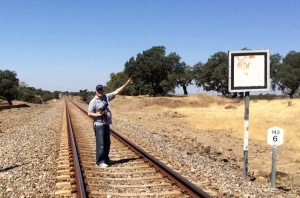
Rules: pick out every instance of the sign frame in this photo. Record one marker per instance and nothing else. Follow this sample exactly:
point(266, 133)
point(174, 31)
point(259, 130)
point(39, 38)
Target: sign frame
point(249, 70)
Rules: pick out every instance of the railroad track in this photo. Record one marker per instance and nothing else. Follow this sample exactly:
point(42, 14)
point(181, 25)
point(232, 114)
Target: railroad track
point(134, 172)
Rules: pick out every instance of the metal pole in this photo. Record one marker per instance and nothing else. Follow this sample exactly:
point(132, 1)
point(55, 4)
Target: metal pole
point(246, 134)
point(274, 161)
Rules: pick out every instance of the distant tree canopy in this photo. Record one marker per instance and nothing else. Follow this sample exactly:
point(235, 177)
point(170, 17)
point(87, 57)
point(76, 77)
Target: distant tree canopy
point(285, 73)
point(117, 80)
point(213, 75)
point(155, 73)
point(11, 89)
point(33, 95)
point(84, 94)
point(8, 85)
point(181, 76)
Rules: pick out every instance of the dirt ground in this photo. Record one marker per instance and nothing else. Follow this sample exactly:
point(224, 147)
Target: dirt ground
point(162, 116)
point(165, 116)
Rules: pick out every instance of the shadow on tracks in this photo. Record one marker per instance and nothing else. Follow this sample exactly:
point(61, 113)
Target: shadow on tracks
point(122, 161)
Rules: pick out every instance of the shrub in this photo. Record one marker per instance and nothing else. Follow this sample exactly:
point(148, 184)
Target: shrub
point(263, 97)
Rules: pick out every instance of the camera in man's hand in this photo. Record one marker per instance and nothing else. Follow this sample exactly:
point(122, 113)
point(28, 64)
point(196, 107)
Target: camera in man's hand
point(103, 110)
point(105, 104)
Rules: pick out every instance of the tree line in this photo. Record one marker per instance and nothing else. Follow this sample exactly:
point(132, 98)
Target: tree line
point(11, 89)
point(156, 73)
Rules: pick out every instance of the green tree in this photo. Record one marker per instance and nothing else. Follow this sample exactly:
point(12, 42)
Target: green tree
point(47, 96)
point(24, 93)
point(117, 80)
point(275, 65)
point(84, 94)
point(285, 76)
point(28, 94)
point(152, 67)
point(181, 76)
point(213, 75)
point(56, 94)
point(8, 85)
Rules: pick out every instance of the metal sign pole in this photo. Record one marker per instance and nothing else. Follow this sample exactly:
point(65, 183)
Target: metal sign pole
point(274, 159)
point(243, 69)
point(275, 138)
point(246, 134)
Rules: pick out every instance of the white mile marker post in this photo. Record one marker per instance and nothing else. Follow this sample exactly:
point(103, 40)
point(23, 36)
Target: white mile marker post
point(275, 138)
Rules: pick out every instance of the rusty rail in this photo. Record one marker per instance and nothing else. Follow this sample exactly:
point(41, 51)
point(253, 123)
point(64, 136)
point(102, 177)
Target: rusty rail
point(79, 184)
point(174, 177)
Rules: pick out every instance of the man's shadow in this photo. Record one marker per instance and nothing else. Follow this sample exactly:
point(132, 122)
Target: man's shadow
point(123, 161)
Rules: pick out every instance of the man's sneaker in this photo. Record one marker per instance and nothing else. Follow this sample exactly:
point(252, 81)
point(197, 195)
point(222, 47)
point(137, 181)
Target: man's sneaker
point(102, 165)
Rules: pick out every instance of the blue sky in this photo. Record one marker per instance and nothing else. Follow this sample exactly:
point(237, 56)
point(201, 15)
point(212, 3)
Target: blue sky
point(74, 45)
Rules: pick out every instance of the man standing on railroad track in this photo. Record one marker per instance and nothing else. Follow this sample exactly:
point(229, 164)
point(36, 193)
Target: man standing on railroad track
point(99, 109)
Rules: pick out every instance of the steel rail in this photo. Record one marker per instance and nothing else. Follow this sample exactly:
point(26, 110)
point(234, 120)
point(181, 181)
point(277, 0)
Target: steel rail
point(176, 179)
point(79, 184)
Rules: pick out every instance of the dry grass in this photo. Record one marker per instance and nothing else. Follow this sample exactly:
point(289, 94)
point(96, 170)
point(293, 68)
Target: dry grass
point(217, 114)
point(262, 116)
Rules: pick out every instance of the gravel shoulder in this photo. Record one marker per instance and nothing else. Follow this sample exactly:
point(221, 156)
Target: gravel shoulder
point(29, 142)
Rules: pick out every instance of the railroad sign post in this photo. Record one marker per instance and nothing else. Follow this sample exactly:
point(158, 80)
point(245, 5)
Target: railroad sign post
point(275, 138)
point(249, 70)
point(246, 135)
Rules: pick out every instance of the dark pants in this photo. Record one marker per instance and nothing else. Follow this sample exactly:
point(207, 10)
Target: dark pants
point(102, 133)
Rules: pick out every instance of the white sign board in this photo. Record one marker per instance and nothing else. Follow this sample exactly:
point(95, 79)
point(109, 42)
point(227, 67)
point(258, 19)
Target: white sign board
point(249, 70)
point(275, 136)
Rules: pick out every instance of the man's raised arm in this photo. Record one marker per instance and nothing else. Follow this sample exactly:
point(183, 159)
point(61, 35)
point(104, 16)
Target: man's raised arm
point(120, 89)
